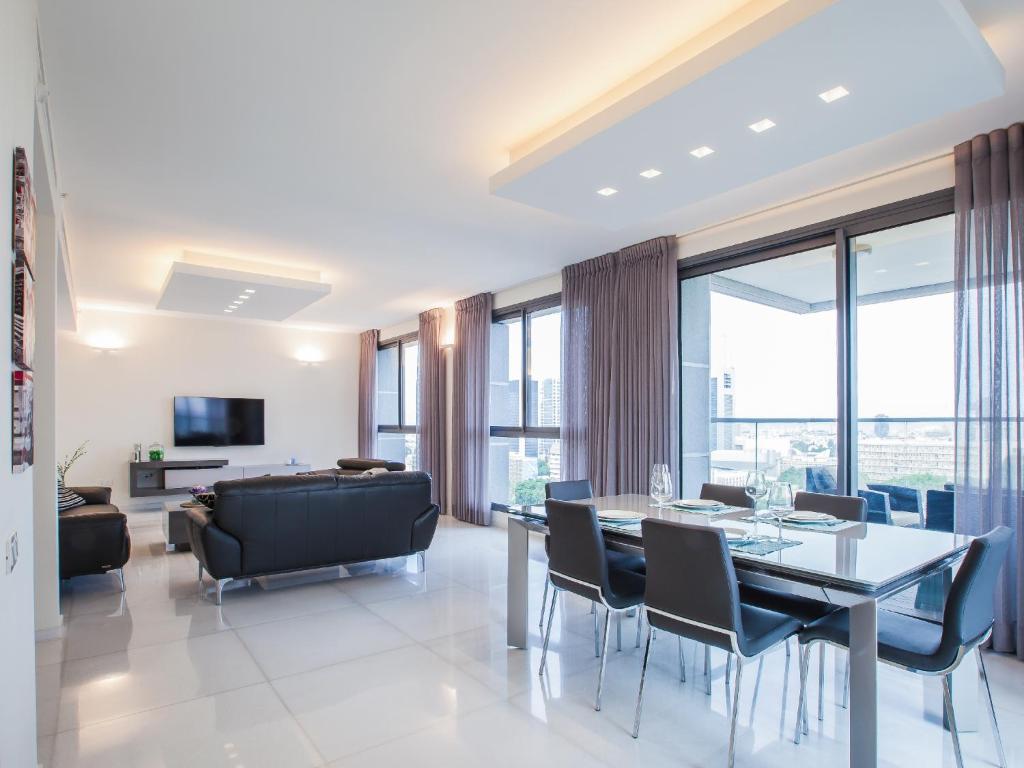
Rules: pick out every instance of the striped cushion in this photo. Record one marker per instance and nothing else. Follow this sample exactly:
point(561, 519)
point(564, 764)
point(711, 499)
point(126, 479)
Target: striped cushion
point(67, 499)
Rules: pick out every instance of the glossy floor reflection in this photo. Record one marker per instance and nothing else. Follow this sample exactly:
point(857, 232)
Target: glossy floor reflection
point(392, 667)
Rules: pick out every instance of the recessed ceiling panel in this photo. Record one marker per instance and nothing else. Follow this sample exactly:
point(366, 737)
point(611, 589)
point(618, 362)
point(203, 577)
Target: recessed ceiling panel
point(231, 293)
point(766, 100)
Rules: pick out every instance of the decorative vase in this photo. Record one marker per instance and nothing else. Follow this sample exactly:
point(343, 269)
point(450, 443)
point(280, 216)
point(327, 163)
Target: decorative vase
point(156, 452)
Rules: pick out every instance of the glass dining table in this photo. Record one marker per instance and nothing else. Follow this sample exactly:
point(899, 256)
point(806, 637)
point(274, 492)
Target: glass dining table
point(852, 565)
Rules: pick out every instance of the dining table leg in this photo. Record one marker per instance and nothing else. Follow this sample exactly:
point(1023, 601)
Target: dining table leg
point(863, 711)
point(518, 583)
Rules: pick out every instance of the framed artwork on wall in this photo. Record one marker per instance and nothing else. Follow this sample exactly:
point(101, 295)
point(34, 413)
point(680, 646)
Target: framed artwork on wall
point(22, 448)
point(24, 224)
point(23, 317)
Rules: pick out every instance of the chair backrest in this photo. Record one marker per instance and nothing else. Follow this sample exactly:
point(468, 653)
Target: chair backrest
point(969, 610)
point(901, 498)
point(820, 480)
point(690, 575)
point(569, 490)
point(576, 548)
point(878, 506)
point(732, 495)
point(844, 507)
point(939, 510)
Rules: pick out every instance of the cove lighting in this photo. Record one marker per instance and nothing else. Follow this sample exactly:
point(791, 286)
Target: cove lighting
point(704, 151)
point(761, 125)
point(650, 173)
point(607, 191)
point(833, 94)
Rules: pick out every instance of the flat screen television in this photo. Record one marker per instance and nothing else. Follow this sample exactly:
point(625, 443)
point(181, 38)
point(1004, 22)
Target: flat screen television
point(212, 421)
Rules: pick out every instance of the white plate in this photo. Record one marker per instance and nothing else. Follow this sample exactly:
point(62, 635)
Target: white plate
point(735, 534)
point(618, 514)
point(809, 517)
point(698, 503)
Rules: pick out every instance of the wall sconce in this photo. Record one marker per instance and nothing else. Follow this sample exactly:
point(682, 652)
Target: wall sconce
point(309, 355)
point(105, 341)
point(448, 330)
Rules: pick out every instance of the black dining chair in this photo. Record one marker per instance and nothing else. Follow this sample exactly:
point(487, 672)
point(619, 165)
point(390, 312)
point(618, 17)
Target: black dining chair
point(692, 591)
point(580, 563)
point(925, 647)
point(564, 490)
point(733, 495)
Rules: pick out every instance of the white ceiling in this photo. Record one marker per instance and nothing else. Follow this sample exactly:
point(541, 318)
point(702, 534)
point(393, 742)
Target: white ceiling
point(357, 139)
point(927, 60)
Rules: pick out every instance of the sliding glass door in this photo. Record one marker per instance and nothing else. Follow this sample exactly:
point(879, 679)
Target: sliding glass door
point(824, 357)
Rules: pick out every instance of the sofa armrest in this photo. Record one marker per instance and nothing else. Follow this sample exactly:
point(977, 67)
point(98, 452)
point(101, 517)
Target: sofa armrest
point(93, 494)
point(219, 552)
point(423, 528)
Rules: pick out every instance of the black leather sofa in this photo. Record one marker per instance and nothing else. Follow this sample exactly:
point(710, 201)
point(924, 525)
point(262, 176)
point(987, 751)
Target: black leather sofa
point(93, 538)
point(267, 525)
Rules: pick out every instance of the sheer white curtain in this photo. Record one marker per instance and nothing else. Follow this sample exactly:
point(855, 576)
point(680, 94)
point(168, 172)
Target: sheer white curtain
point(990, 357)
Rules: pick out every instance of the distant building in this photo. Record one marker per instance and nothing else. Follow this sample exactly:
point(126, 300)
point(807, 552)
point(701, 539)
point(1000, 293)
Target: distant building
point(722, 405)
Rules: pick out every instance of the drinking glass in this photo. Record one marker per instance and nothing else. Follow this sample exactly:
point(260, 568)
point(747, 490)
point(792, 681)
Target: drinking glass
point(661, 484)
point(780, 502)
point(756, 486)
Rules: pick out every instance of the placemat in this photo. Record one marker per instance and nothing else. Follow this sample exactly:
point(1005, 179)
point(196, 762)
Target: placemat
point(762, 546)
point(842, 525)
point(707, 512)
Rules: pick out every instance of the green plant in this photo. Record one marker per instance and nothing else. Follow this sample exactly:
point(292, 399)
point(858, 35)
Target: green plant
point(69, 461)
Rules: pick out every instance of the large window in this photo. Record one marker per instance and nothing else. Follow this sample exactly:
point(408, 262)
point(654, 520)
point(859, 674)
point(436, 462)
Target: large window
point(397, 406)
point(525, 401)
point(825, 358)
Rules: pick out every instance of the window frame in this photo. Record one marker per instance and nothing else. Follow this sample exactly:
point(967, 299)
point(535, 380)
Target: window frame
point(399, 342)
point(839, 233)
point(522, 312)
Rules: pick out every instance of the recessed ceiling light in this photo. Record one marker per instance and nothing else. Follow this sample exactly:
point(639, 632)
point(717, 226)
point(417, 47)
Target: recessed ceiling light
point(704, 151)
point(650, 173)
point(607, 191)
point(881, 271)
point(237, 303)
point(243, 296)
point(229, 310)
point(833, 94)
point(761, 125)
point(922, 264)
point(250, 290)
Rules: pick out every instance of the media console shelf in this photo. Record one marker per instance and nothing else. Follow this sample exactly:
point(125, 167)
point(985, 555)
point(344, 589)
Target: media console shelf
point(169, 478)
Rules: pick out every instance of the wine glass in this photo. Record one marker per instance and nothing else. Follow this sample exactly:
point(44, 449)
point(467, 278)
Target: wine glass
point(661, 484)
point(780, 502)
point(756, 486)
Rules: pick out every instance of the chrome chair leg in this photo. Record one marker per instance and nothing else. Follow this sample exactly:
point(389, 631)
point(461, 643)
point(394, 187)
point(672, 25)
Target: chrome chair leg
point(821, 682)
point(707, 669)
point(120, 577)
point(846, 684)
point(801, 706)
point(544, 603)
point(735, 712)
point(618, 631)
point(947, 697)
point(597, 636)
point(547, 635)
point(604, 658)
point(728, 669)
point(682, 660)
point(643, 677)
point(639, 625)
point(787, 646)
point(991, 710)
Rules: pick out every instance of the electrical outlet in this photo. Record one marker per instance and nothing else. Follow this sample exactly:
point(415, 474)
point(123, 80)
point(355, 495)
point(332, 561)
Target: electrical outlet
point(11, 553)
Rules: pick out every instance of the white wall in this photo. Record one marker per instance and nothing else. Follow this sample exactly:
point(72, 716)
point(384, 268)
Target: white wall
point(17, 627)
point(119, 398)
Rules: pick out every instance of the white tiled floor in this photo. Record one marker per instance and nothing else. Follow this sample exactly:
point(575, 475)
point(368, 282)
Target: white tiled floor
point(393, 668)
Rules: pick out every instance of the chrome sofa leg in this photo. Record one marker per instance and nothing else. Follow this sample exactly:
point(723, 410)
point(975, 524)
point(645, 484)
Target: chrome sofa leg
point(604, 658)
point(643, 677)
point(707, 669)
point(547, 635)
point(220, 590)
point(735, 712)
point(947, 697)
point(544, 603)
point(120, 577)
point(682, 660)
point(991, 710)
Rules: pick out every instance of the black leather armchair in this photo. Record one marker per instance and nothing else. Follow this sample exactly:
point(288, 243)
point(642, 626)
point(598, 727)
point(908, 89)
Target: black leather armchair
point(268, 525)
point(94, 538)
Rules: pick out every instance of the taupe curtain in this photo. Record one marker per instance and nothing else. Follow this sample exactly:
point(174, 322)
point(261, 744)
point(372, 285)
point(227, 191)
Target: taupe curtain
point(432, 423)
point(620, 324)
point(367, 420)
point(470, 425)
point(989, 269)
